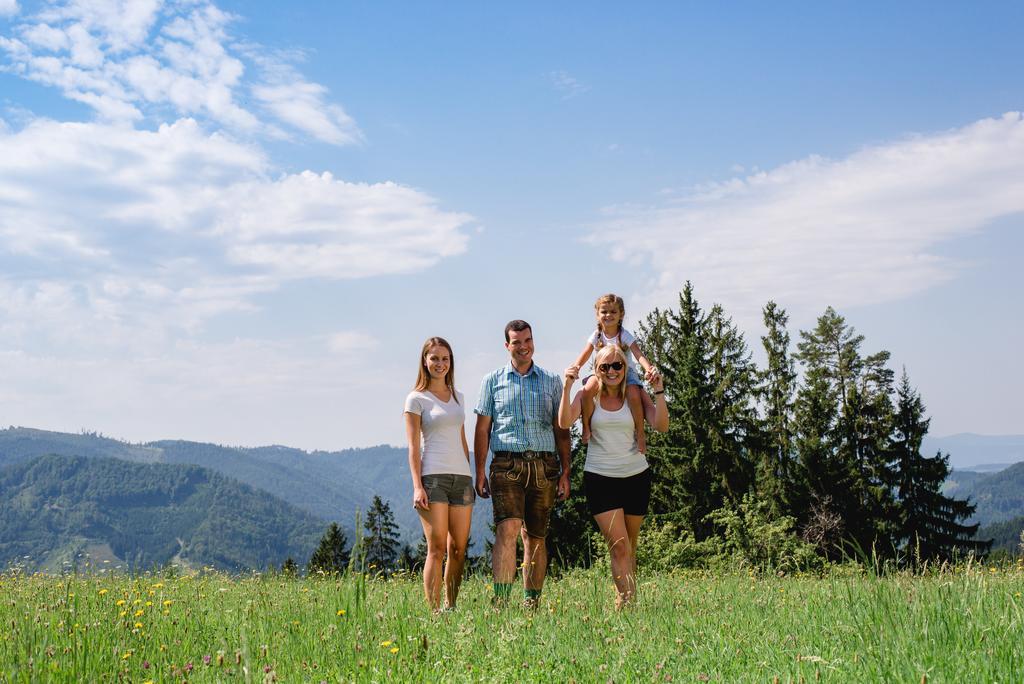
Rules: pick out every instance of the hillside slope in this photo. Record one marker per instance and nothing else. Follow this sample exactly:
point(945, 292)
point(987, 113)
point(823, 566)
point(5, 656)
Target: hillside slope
point(144, 515)
point(332, 485)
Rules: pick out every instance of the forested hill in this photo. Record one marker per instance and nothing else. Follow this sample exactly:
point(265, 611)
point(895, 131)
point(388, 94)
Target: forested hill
point(331, 485)
point(998, 496)
point(59, 509)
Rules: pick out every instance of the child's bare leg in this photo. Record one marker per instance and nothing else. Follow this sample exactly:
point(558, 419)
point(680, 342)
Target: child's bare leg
point(636, 407)
point(589, 391)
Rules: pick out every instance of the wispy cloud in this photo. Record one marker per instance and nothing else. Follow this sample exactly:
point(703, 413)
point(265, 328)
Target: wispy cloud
point(853, 231)
point(134, 220)
point(8, 8)
point(133, 59)
point(566, 84)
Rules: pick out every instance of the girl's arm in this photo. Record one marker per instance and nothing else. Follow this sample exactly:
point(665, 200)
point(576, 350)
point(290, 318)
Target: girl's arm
point(412, 433)
point(584, 355)
point(568, 411)
point(641, 359)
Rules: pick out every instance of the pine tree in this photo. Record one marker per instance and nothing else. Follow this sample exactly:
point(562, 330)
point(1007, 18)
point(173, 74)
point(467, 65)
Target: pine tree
point(380, 543)
point(684, 489)
point(734, 433)
point(843, 416)
point(703, 461)
point(289, 568)
point(929, 527)
point(331, 556)
point(776, 476)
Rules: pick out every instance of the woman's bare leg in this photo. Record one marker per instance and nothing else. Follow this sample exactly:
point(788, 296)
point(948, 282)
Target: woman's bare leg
point(459, 518)
point(435, 528)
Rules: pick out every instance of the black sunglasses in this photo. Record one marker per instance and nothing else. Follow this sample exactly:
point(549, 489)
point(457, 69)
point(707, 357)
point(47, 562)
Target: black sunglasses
point(614, 365)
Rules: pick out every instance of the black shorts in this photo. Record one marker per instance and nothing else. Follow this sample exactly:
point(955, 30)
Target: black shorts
point(632, 494)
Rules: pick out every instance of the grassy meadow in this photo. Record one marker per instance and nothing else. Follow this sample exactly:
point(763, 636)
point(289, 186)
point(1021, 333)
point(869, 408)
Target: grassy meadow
point(966, 625)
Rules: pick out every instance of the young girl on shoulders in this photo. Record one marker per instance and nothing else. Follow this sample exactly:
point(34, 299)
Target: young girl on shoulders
point(610, 309)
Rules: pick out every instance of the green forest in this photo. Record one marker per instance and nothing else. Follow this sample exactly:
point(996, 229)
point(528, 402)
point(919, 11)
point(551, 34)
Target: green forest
point(148, 515)
point(814, 456)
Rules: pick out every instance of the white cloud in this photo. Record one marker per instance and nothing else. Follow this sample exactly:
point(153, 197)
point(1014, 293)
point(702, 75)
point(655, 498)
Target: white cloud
point(816, 232)
point(128, 59)
point(8, 8)
point(192, 224)
point(566, 84)
point(351, 340)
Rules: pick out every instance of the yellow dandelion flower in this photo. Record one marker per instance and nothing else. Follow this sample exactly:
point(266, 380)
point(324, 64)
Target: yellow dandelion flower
point(385, 644)
point(168, 602)
point(102, 592)
point(120, 602)
point(124, 613)
point(139, 612)
point(138, 625)
point(127, 655)
point(158, 585)
point(341, 612)
point(394, 650)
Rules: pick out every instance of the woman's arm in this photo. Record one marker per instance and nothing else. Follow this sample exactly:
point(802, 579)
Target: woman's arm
point(412, 433)
point(659, 421)
point(568, 411)
point(465, 444)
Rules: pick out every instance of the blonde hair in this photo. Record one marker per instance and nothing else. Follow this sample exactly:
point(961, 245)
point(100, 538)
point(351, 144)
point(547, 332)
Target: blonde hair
point(423, 376)
point(604, 300)
point(609, 352)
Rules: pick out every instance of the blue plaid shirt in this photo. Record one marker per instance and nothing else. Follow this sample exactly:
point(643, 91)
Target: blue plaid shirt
point(523, 408)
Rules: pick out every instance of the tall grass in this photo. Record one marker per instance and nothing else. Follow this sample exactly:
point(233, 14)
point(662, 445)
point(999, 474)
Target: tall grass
point(953, 626)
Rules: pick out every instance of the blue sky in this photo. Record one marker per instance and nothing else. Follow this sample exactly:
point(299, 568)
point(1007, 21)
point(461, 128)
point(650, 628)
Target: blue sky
point(237, 222)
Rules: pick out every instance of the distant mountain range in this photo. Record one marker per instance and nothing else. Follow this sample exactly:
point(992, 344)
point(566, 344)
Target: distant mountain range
point(66, 511)
point(332, 486)
point(201, 501)
point(968, 451)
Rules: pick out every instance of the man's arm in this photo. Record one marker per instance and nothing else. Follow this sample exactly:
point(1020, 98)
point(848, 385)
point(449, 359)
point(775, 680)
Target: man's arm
point(481, 445)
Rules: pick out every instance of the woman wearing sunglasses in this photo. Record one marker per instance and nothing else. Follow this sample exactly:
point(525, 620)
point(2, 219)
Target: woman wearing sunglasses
point(616, 477)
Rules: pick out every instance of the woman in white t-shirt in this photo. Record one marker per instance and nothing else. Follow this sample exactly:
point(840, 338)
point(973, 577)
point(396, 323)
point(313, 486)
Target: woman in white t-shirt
point(616, 477)
point(439, 462)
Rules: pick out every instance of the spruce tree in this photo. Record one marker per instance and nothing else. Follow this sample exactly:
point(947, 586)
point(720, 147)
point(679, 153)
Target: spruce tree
point(685, 489)
point(734, 433)
point(331, 556)
point(844, 412)
point(776, 474)
point(929, 527)
point(380, 543)
point(703, 461)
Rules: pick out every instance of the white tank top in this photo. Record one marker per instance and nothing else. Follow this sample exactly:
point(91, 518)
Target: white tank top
point(612, 448)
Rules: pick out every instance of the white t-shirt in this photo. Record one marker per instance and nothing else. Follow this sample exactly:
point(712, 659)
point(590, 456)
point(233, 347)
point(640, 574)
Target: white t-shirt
point(441, 425)
point(624, 338)
point(612, 448)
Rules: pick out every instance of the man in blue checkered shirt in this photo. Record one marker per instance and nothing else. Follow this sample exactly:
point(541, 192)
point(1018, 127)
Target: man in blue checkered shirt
point(517, 420)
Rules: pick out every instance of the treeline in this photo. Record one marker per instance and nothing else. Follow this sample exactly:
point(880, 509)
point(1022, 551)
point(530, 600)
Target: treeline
point(814, 456)
point(377, 551)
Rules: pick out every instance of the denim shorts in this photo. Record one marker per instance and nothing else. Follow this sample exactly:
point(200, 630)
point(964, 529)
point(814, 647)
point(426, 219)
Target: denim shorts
point(454, 490)
point(524, 489)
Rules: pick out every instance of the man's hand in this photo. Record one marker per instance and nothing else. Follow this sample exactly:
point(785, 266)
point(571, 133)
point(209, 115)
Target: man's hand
point(483, 490)
point(563, 486)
